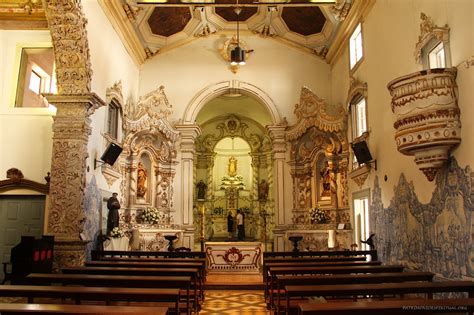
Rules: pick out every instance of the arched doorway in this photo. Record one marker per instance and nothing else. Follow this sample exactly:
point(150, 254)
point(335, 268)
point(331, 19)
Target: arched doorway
point(233, 134)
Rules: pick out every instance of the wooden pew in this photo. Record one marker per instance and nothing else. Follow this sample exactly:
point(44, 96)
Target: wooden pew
point(99, 254)
point(389, 307)
point(274, 271)
point(393, 277)
point(376, 289)
point(370, 253)
point(17, 308)
point(151, 264)
point(191, 272)
point(297, 264)
point(180, 282)
point(79, 294)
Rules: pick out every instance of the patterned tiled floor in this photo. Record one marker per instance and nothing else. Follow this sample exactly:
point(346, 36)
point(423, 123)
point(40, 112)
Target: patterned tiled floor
point(234, 303)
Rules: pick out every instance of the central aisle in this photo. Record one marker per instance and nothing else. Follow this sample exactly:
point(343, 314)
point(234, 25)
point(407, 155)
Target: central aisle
point(234, 302)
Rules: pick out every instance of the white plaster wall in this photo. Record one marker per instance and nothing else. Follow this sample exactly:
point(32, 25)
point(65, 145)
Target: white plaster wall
point(390, 33)
point(275, 68)
point(110, 64)
point(25, 133)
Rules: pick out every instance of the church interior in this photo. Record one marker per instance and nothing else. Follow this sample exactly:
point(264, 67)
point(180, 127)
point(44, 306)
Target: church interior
point(236, 130)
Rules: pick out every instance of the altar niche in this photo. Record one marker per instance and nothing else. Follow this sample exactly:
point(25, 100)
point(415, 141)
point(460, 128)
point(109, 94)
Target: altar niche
point(232, 185)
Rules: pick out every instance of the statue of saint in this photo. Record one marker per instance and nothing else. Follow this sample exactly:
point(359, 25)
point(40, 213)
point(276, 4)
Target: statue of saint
point(113, 216)
point(141, 181)
point(232, 167)
point(326, 180)
point(263, 190)
point(201, 190)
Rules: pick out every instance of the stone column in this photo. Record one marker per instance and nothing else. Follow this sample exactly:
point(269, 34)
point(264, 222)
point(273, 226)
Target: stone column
point(65, 218)
point(188, 135)
point(277, 134)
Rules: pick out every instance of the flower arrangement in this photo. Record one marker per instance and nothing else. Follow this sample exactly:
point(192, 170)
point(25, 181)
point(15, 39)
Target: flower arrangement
point(317, 216)
point(218, 211)
point(117, 232)
point(245, 210)
point(151, 215)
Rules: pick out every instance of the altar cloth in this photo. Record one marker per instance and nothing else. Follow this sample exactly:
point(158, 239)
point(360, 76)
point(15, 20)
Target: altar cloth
point(244, 257)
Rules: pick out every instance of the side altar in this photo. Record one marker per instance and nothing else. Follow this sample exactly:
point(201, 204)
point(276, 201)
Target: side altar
point(155, 239)
point(234, 256)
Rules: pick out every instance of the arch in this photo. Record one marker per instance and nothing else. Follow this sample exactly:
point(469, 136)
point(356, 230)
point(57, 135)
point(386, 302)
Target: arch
point(212, 91)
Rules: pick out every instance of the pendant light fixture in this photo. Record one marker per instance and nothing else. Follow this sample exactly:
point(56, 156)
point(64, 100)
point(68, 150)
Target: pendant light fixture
point(237, 55)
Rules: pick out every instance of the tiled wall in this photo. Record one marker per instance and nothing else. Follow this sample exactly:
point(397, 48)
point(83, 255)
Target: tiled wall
point(436, 236)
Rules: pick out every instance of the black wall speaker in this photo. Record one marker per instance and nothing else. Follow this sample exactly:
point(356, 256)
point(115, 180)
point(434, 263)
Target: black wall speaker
point(361, 151)
point(111, 154)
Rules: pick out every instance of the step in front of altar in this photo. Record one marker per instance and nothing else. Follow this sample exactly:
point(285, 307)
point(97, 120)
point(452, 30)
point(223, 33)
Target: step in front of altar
point(242, 257)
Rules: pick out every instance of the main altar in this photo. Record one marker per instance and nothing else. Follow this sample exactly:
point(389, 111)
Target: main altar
point(242, 257)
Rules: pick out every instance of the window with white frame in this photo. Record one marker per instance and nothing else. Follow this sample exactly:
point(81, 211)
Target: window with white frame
point(36, 75)
point(359, 117)
point(355, 46)
point(437, 57)
point(113, 119)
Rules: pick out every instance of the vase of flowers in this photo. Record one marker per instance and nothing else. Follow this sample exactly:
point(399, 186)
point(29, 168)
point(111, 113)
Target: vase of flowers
point(151, 215)
point(317, 216)
point(117, 232)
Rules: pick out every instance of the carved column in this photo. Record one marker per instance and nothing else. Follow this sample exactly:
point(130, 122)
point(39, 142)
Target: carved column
point(210, 171)
point(277, 134)
point(188, 134)
point(66, 217)
point(255, 168)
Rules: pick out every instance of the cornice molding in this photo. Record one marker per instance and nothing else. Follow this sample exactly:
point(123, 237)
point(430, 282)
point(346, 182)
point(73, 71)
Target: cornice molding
point(118, 18)
point(360, 9)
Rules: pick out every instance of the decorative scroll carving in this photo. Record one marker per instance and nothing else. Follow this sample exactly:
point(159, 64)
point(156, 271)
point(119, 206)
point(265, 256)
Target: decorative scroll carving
point(356, 89)
point(360, 174)
point(71, 131)
point(205, 27)
point(115, 92)
point(131, 10)
point(68, 253)
point(233, 126)
point(341, 8)
point(147, 131)
point(71, 48)
point(16, 180)
point(266, 29)
point(428, 31)
point(314, 111)
point(153, 105)
point(427, 122)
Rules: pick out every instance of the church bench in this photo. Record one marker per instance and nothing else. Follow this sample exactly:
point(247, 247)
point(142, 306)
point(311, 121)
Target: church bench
point(98, 254)
point(181, 282)
point(297, 264)
point(22, 308)
point(374, 289)
point(389, 307)
point(392, 277)
point(312, 270)
point(191, 272)
point(151, 264)
point(79, 294)
point(347, 253)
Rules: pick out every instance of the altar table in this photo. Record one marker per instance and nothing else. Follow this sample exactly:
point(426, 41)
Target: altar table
point(241, 257)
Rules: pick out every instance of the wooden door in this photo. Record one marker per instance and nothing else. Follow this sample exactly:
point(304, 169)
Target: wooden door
point(19, 215)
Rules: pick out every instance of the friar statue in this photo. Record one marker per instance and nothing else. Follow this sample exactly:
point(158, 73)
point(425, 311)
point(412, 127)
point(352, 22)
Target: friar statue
point(232, 167)
point(113, 216)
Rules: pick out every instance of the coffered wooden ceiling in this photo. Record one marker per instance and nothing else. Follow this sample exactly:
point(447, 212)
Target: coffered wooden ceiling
point(317, 28)
point(148, 29)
